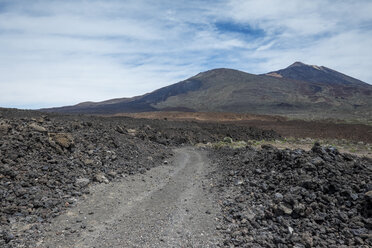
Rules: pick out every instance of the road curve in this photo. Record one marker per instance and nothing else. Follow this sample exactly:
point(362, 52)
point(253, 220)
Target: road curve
point(168, 206)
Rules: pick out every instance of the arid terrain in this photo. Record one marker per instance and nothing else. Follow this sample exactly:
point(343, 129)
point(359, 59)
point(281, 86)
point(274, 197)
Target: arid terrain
point(289, 128)
point(185, 124)
point(298, 91)
point(90, 181)
point(294, 198)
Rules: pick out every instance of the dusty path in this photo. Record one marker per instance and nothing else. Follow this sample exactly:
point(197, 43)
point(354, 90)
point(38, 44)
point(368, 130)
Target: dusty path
point(169, 206)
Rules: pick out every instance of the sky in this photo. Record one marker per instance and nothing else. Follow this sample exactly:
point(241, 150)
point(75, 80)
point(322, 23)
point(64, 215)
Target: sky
point(56, 53)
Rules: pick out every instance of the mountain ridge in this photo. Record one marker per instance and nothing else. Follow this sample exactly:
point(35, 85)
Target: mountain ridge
point(314, 73)
point(282, 92)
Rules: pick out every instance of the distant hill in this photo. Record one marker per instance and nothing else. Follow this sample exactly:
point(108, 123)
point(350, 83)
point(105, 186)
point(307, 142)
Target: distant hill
point(315, 74)
point(300, 90)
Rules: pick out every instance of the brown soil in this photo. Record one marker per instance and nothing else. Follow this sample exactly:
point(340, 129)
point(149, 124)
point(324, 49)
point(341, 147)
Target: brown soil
point(317, 130)
point(203, 116)
point(282, 125)
point(358, 150)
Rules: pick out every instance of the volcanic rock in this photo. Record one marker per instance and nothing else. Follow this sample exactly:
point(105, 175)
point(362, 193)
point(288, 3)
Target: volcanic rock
point(38, 128)
point(65, 140)
point(101, 178)
point(82, 182)
point(42, 175)
point(299, 198)
point(4, 128)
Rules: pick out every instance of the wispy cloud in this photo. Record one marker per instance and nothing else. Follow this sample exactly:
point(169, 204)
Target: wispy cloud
point(63, 52)
point(331, 33)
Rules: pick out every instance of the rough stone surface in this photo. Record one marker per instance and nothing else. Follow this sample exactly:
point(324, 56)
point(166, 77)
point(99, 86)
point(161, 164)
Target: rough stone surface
point(38, 128)
point(171, 205)
point(65, 140)
point(101, 178)
point(82, 182)
point(48, 161)
point(4, 128)
point(44, 173)
point(328, 205)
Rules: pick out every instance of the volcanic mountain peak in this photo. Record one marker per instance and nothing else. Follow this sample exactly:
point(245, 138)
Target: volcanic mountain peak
point(298, 90)
point(315, 74)
point(300, 64)
point(297, 63)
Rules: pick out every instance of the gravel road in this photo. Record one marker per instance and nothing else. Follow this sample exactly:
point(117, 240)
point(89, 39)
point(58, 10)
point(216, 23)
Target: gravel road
point(172, 205)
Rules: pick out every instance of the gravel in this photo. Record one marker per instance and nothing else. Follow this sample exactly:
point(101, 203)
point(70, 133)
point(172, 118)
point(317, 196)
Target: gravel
point(294, 198)
point(49, 161)
point(46, 165)
point(268, 197)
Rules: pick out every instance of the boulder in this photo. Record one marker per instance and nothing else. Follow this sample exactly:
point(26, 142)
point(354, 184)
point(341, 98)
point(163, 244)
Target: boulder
point(101, 178)
point(65, 140)
point(38, 128)
point(4, 128)
point(82, 182)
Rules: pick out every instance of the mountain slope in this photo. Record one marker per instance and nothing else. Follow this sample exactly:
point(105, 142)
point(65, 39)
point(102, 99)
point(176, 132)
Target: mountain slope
point(325, 93)
point(234, 91)
point(132, 105)
point(314, 74)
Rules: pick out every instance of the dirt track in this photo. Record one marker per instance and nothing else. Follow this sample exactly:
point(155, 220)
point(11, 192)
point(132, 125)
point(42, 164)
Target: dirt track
point(48, 162)
point(169, 206)
point(52, 164)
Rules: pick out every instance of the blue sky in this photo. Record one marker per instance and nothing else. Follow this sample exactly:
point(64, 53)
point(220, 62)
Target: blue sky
point(55, 53)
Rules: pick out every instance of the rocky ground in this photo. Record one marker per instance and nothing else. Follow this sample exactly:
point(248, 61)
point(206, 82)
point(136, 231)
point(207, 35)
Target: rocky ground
point(294, 198)
point(268, 197)
point(172, 205)
point(330, 129)
point(46, 165)
point(47, 162)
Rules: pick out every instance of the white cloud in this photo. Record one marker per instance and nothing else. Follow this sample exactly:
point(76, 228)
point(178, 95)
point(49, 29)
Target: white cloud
point(298, 17)
point(336, 34)
point(80, 26)
point(64, 52)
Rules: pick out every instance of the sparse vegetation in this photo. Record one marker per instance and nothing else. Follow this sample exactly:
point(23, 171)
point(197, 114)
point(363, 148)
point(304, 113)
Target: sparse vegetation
point(346, 146)
point(226, 142)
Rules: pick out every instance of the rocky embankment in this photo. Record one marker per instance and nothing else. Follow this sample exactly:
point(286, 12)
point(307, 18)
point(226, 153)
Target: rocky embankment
point(45, 165)
point(293, 198)
point(48, 161)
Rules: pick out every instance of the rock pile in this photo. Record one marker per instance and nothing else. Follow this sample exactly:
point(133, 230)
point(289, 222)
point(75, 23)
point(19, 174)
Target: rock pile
point(45, 165)
point(48, 161)
point(294, 198)
point(175, 133)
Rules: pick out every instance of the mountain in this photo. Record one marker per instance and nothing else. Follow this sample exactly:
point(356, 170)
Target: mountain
point(314, 74)
point(299, 90)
